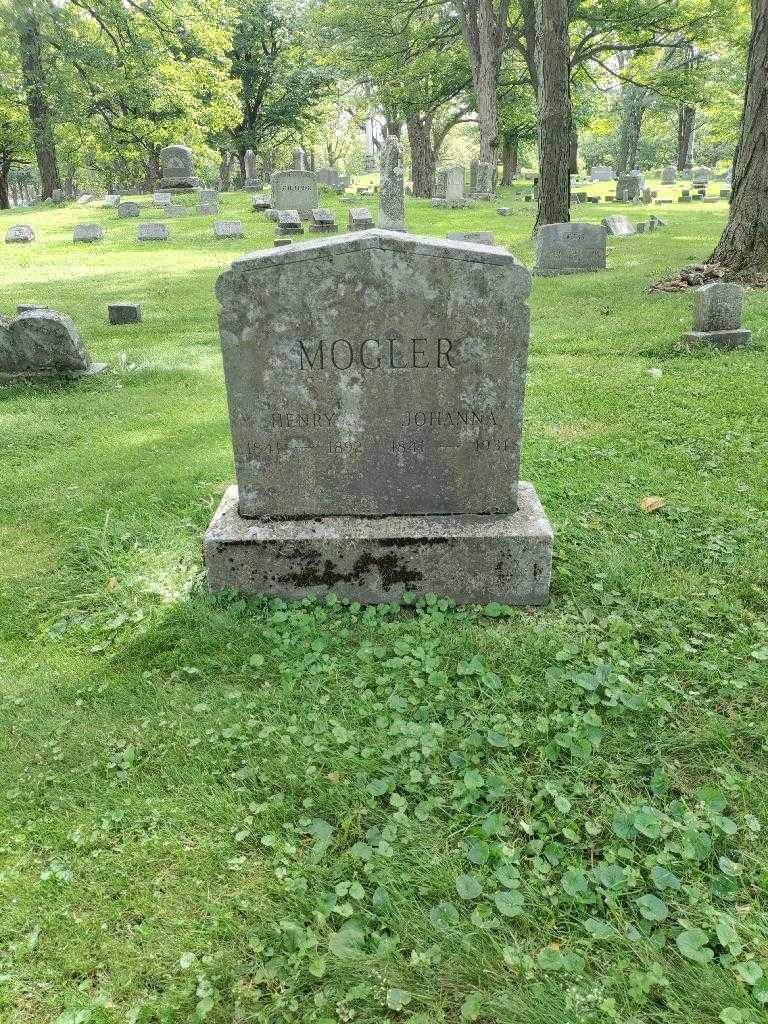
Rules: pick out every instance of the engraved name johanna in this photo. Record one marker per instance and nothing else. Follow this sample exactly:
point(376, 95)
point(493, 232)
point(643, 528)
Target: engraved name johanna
point(378, 354)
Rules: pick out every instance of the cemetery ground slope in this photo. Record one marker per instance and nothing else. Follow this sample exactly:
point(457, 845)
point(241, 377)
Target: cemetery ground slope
point(228, 810)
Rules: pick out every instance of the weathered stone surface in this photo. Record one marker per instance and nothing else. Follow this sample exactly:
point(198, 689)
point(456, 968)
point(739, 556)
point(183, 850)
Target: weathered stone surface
point(174, 210)
point(111, 201)
point(476, 237)
point(504, 211)
point(454, 186)
point(178, 169)
point(472, 559)
point(601, 173)
point(127, 210)
point(669, 175)
point(294, 190)
point(19, 234)
point(632, 183)
point(375, 374)
point(209, 195)
point(289, 222)
point(483, 180)
point(87, 233)
point(120, 313)
point(439, 204)
point(161, 198)
point(207, 209)
point(618, 224)
point(392, 186)
point(261, 203)
point(717, 309)
point(441, 183)
point(329, 176)
point(24, 307)
point(359, 219)
point(299, 159)
point(43, 343)
point(569, 249)
point(228, 229)
point(58, 196)
point(323, 220)
point(700, 175)
point(153, 232)
point(253, 177)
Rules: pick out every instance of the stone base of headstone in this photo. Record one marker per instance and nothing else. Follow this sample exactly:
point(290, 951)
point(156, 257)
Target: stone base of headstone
point(120, 313)
point(471, 559)
point(718, 339)
point(10, 378)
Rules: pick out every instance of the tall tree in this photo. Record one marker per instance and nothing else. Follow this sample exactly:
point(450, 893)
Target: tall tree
point(555, 115)
point(743, 247)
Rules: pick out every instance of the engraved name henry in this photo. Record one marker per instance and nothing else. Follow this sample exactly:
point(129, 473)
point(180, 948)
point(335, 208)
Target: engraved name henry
point(379, 354)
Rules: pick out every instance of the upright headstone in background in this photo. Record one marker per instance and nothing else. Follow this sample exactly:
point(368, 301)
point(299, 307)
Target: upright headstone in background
point(111, 201)
point(298, 161)
point(58, 196)
point(87, 233)
point(377, 427)
point(253, 179)
point(294, 190)
point(717, 316)
point(618, 224)
point(601, 172)
point(154, 232)
point(483, 180)
point(632, 183)
point(329, 176)
point(177, 167)
point(392, 186)
point(43, 343)
point(454, 186)
point(359, 219)
point(700, 176)
point(569, 249)
point(228, 229)
point(128, 209)
point(669, 175)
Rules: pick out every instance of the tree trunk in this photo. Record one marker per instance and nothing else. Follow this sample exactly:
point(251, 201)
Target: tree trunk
point(486, 96)
point(555, 118)
point(153, 165)
point(483, 25)
point(743, 248)
point(509, 158)
point(37, 104)
point(633, 111)
point(686, 124)
point(422, 155)
point(5, 199)
point(225, 170)
point(573, 151)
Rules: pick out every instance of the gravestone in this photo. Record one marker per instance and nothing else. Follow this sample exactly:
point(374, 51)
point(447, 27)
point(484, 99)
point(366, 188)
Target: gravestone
point(717, 311)
point(643, 227)
point(58, 196)
point(483, 180)
point(377, 427)
point(19, 234)
point(43, 343)
point(725, 193)
point(228, 229)
point(569, 249)
point(700, 176)
point(294, 190)
point(253, 178)
point(299, 159)
point(632, 183)
point(154, 232)
point(504, 211)
point(111, 201)
point(84, 200)
point(646, 195)
point(392, 186)
point(330, 177)
point(289, 222)
point(177, 167)
point(359, 219)
point(261, 203)
point(475, 237)
point(127, 210)
point(162, 198)
point(601, 173)
point(207, 209)
point(323, 220)
point(454, 186)
point(87, 233)
point(441, 183)
point(120, 313)
point(669, 175)
point(175, 210)
point(209, 195)
point(618, 224)
point(657, 221)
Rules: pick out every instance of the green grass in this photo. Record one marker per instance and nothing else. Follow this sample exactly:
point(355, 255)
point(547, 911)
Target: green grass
point(230, 810)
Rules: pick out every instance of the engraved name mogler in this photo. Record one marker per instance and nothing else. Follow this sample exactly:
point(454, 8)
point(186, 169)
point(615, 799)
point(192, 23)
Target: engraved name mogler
point(378, 354)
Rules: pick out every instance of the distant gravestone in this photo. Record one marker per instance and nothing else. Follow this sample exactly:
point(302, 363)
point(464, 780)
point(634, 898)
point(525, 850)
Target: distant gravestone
point(43, 343)
point(261, 203)
point(228, 229)
point(209, 195)
point(58, 196)
point(632, 184)
point(120, 313)
point(392, 186)
point(85, 199)
point(177, 170)
point(504, 211)
point(175, 210)
point(454, 186)
point(700, 176)
point(377, 427)
point(646, 195)
point(600, 172)
point(717, 309)
point(128, 210)
point(330, 177)
point(298, 161)
point(618, 224)
point(569, 249)
point(668, 175)
point(207, 209)
point(111, 201)
point(475, 237)
point(153, 232)
point(657, 221)
point(162, 198)
point(441, 183)
point(19, 234)
point(87, 233)
point(294, 190)
point(483, 180)
point(360, 219)
point(253, 179)
point(323, 220)
point(289, 222)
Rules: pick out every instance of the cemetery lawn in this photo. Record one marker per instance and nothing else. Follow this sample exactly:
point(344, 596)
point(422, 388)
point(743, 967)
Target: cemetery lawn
point(238, 811)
